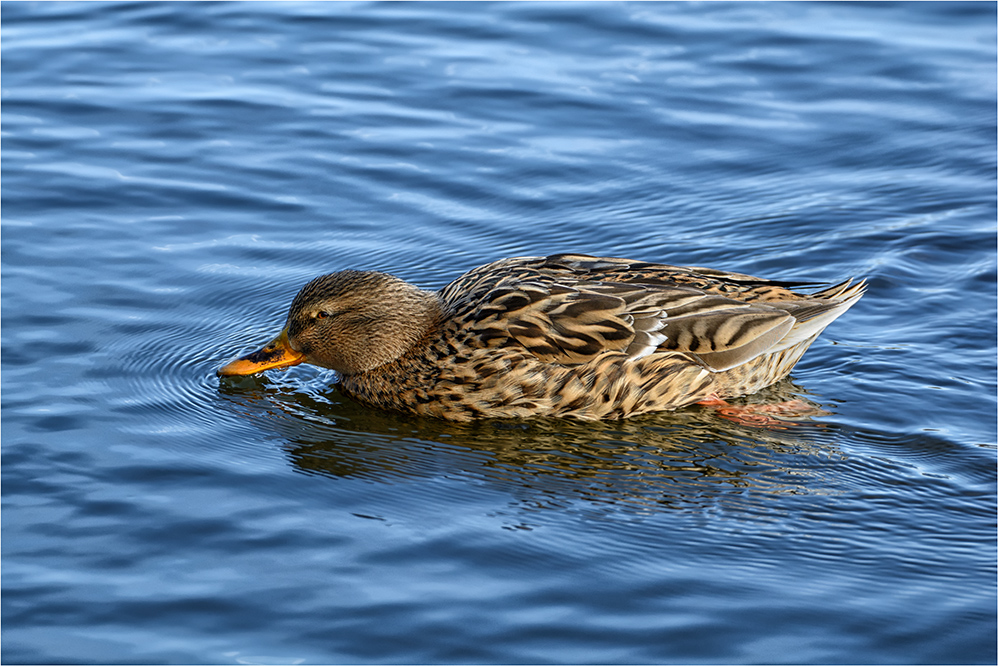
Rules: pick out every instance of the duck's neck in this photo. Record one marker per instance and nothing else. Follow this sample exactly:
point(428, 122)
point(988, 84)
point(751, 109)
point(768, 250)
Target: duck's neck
point(410, 361)
point(421, 318)
point(415, 318)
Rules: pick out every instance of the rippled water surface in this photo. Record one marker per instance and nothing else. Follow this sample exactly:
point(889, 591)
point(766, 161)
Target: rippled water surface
point(173, 173)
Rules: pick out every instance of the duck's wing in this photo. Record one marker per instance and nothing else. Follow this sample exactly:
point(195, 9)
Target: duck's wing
point(723, 333)
point(568, 309)
point(570, 325)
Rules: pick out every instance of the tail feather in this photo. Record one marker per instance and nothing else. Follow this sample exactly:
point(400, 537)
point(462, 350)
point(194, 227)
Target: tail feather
point(843, 290)
point(812, 318)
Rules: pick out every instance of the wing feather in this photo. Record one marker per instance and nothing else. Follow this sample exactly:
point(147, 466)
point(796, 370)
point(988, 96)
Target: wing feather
point(570, 309)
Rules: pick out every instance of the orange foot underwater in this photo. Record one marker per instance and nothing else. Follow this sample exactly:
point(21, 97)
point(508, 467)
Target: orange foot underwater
point(776, 415)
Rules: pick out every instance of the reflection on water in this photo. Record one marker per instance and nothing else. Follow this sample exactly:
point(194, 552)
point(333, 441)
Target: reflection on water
point(663, 461)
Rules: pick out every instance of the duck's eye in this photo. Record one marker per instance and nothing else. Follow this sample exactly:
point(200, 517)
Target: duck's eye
point(321, 314)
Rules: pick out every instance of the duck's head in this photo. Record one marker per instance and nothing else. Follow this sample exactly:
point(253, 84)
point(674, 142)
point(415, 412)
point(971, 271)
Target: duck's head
point(351, 321)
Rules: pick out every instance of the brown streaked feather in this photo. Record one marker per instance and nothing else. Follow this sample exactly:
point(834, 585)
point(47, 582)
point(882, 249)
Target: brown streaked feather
point(573, 324)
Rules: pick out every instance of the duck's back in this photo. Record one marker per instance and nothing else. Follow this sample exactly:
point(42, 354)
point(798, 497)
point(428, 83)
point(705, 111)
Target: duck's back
point(574, 269)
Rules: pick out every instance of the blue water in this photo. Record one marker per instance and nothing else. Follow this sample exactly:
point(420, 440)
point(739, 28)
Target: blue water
point(173, 173)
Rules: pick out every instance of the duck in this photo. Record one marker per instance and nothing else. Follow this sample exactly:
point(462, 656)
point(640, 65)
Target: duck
point(566, 335)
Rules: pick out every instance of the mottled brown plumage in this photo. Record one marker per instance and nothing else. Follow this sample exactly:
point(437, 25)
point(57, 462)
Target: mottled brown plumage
point(565, 335)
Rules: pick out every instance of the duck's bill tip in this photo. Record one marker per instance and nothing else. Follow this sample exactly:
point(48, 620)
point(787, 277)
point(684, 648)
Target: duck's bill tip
point(242, 367)
point(276, 354)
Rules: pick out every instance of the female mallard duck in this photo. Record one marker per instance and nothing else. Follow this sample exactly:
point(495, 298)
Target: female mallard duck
point(566, 335)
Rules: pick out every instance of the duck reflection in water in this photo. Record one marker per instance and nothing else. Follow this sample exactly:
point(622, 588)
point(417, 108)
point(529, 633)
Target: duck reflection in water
point(654, 462)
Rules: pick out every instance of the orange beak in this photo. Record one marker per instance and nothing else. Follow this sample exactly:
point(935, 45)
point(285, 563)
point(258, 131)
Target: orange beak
point(275, 354)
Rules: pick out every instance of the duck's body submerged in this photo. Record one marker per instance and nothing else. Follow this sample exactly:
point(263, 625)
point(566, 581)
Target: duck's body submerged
point(566, 335)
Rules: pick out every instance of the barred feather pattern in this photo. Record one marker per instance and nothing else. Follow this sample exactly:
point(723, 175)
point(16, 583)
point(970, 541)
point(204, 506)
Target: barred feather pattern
point(598, 338)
